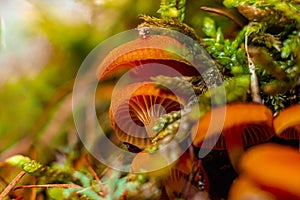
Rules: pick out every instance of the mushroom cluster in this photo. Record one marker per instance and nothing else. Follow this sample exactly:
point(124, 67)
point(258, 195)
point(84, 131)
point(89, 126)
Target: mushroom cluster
point(261, 169)
point(136, 108)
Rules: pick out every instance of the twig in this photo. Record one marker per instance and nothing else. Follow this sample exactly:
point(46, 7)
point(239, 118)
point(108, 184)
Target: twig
point(103, 193)
point(105, 171)
point(3, 180)
point(5, 192)
point(49, 186)
point(240, 23)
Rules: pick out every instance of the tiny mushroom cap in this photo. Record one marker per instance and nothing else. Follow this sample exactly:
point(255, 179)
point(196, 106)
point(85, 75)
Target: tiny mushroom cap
point(287, 123)
point(245, 124)
point(273, 168)
point(135, 109)
point(155, 164)
point(243, 188)
point(174, 175)
point(178, 183)
point(158, 49)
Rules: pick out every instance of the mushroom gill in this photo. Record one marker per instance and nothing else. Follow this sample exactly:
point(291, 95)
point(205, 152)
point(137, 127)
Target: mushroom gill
point(245, 124)
point(135, 109)
point(287, 123)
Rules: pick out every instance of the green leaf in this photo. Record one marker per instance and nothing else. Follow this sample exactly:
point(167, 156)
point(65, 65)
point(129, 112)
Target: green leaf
point(120, 188)
point(209, 27)
point(18, 160)
point(219, 36)
point(224, 60)
point(230, 3)
point(31, 166)
point(83, 178)
point(55, 193)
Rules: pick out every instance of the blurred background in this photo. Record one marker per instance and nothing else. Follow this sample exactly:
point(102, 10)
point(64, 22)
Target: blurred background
point(42, 45)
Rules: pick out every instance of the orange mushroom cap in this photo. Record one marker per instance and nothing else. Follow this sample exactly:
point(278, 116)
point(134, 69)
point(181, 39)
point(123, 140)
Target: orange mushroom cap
point(243, 188)
point(152, 49)
point(135, 109)
point(174, 176)
point(177, 183)
point(156, 164)
point(254, 121)
point(274, 168)
point(287, 123)
point(245, 124)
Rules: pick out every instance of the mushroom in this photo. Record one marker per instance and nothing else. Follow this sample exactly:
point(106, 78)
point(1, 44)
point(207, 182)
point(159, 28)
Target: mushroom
point(244, 188)
point(180, 182)
point(273, 168)
point(155, 164)
point(154, 49)
point(245, 124)
point(287, 123)
point(135, 109)
point(174, 176)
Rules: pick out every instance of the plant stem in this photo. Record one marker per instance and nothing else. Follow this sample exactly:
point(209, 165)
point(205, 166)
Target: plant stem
point(254, 81)
point(5, 192)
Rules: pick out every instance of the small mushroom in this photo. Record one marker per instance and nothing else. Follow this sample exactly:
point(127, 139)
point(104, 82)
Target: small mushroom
point(287, 123)
point(174, 176)
point(154, 49)
point(245, 124)
point(155, 164)
point(274, 169)
point(135, 109)
point(183, 181)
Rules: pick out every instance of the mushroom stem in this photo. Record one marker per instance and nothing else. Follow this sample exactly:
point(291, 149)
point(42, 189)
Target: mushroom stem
point(234, 144)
